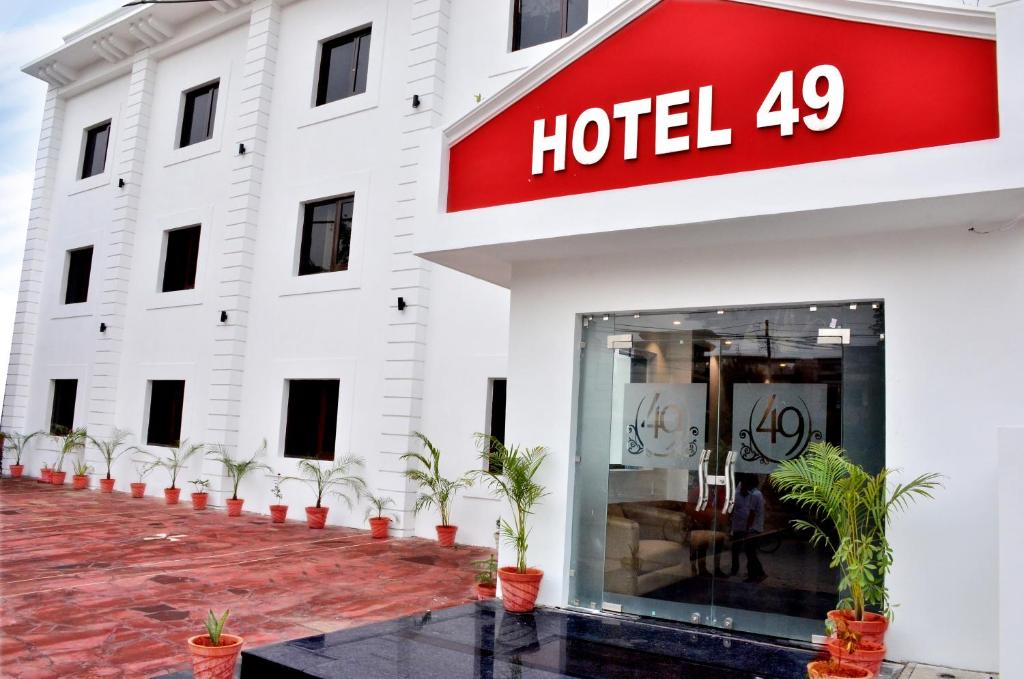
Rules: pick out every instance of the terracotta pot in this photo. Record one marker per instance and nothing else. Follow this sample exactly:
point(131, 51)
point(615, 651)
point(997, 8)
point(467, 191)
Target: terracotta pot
point(278, 513)
point(866, 654)
point(872, 628)
point(519, 590)
point(446, 535)
point(17, 470)
point(138, 489)
point(316, 517)
point(45, 475)
point(79, 482)
point(379, 527)
point(214, 662)
point(57, 478)
point(171, 495)
point(234, 507)
point(106, 485)
point(199, 500)
point(823, 669)
point(485, 591)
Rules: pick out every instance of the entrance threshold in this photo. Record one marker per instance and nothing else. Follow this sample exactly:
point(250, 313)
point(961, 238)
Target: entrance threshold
point(481, 640)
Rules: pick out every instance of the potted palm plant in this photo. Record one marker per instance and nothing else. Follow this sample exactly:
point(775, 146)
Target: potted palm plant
point(18, 443)
point(379, 521)
point(850, 511)
point(179, 457)
point(70, 441)
point(435, 490)
point(236, 471)
point(110, 449)
point(278, 511)
point(215, 653)
point(511, 472)
point(142, 470)
point(201, 495)
point(337, 478)
point(80, 479)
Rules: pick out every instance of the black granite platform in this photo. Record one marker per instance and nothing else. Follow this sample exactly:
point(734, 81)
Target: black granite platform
point(482, 641)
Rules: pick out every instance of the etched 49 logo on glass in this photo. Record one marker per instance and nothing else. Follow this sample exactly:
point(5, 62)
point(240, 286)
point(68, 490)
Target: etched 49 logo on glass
point(664, 424)
point(775, 422)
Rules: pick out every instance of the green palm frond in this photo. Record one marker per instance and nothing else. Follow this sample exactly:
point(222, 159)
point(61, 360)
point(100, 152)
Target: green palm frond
point(338, 478)
point(70, 442)
point(179, 456)
point(112, 447)
point(238, 469)
point(435, 490)
point(19, 442)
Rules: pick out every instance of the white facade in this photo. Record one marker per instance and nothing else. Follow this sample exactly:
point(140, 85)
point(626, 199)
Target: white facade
point(893, 227)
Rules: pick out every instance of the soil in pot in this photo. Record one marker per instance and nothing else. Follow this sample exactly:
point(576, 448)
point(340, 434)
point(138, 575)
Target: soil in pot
point(79, 482)
point(316, 517)
point(171, 495)
point(446, 535)
point(872, 628)
point(106, 485)
point(17, 470)
point(485, 591)
point(199, 500)
point(278, 513)
point(214, 662)
point(519, 590)
point(866, 654)
point(379, 527)
point(138, 489)
point(824, 669)
point(234, 507)
point(46, 476)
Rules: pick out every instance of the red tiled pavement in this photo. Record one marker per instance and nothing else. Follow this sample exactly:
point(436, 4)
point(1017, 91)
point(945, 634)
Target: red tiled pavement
point(91, 589)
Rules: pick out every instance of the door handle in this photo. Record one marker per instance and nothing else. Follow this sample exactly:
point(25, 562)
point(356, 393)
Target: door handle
point(727, 479)
point(702, 480)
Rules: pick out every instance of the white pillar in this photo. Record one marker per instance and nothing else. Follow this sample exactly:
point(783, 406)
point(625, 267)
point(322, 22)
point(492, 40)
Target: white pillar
point(1010, 473)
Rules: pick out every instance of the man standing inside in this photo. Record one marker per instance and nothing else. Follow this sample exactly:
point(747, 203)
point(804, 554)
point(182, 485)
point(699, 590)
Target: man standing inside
point(747, 525)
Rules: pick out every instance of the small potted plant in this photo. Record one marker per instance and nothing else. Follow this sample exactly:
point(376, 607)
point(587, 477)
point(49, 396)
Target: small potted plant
point(45, 474)
point(71, 441)
point(830, 669)
point(321, 479)
point(237, 470)
point(215, 653)
point(379, 522)
point(18, 443)
point(278, 510)
point(201, 494)
point(435, 490)
point(510, 473)
point(179, 457)
point(486, 577)
point(142, 470)
point(110, 449)
point(80, 480)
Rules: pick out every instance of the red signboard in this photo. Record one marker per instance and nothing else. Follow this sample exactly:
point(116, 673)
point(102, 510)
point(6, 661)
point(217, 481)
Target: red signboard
point(696, 88)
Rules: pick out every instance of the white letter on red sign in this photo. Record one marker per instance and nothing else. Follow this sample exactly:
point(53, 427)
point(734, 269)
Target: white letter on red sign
point(583, 155)
point(707, 137)
point(631, 111)
point(664, 122)
point(555, 143)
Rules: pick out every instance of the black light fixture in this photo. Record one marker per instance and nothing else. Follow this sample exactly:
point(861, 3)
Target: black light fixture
point(415, 101)
point(103, 327)
point(241, 149)
point(223, 317)
point(401, 304)
point(120, 182)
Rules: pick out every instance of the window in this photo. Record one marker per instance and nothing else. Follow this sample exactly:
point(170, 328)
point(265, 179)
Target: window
point(62, 414)
point(180, 260)
point(166, 400)
point(94, 159)
point(496, 413)
point(539, 21)
point(343, 64)
point(198, 115)
point(326, 235)
point(312, 422)
point(76, 289)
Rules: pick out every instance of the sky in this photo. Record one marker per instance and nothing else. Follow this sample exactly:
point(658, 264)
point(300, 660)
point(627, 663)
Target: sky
point(28, 29)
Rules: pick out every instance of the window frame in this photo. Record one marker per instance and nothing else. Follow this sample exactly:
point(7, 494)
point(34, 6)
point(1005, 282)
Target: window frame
point(149, 412)
point(517, 13)
point(323, 64)
point(162, 287)
point(69, 256)
point(89, 133)
point(185, 119)
point(492, 391)
point(322, 453)
point(53, 428)
point(305, 232)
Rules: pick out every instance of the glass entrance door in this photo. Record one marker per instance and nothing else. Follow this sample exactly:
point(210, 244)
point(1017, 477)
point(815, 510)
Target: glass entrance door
point(682, 416)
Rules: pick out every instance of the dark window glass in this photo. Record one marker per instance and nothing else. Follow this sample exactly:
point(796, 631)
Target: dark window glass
point(326, 236)
point(180, 262)
point(539, 21)
point(496, 425)
point(312, 419)
point(94, 161)
point(200, 110)
point(343, 66)
point(79, 268)
point(62, 415)
point(166, 400)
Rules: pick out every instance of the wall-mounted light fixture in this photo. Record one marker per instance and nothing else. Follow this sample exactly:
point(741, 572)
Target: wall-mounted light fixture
point(415, 101)
point(223, 317)
point(401, 304)
point(241, 149)
point(103, 327)
point(120, 182)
